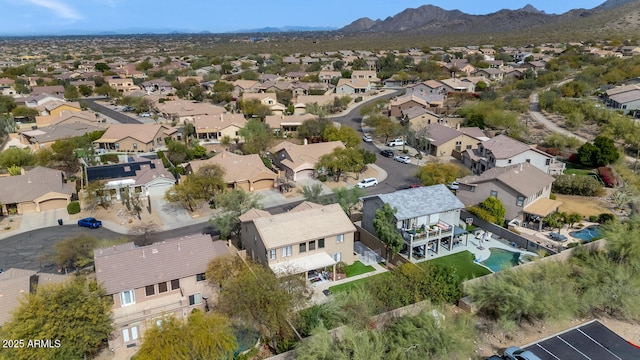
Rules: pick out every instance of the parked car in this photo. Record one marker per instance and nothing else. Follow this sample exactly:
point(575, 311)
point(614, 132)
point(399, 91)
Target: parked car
point(368, 182)
point(367, 138)
point(387, 153)
point(91, 223)
point(515, 353)
point(454, 185)
point(145, 114)
point(494, 357)
point(403, 159)
point(396, 142)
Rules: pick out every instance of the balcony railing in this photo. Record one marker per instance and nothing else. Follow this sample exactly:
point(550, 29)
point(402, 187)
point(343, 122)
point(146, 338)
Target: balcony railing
point(431, 232)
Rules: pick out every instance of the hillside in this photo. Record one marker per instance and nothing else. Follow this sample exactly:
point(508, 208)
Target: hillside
point(617, 15)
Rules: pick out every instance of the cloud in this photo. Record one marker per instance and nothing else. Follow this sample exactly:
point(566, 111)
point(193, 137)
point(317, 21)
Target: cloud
point(60, 9)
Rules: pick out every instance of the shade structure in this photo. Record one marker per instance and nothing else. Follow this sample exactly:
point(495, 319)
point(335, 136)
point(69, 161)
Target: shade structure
point(302, 264)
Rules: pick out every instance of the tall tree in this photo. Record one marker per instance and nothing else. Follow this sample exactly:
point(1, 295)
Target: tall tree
point(383, 126)
point(384, 224)
point(345, 134)
point(313, 128)
point(256, 136)
point(440, 173)
point(203, 336)
point(187, 193)
point(76, 313)
point(348, 198)
point(340, 161)
point(313, 193)
point(232, 204)
point(254, 293)
point(210, 180)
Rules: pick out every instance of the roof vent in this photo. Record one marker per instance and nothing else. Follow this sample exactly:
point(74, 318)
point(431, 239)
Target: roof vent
point(154, 251)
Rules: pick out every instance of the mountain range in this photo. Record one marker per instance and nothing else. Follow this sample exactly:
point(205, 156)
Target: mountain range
point(429, 19)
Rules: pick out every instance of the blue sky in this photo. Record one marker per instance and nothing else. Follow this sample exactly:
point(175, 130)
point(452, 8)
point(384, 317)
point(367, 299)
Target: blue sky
point(28, 17)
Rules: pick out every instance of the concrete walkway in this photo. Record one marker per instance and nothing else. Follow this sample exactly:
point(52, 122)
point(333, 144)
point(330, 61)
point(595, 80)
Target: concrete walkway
point(318, 297)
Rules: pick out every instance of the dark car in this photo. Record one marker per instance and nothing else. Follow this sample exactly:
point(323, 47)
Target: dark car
point(91, 223)
point(387, 153)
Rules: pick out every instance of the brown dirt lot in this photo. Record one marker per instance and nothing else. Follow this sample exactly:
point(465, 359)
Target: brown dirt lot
point(585, 206)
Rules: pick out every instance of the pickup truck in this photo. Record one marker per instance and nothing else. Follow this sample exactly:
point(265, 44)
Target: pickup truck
point(396, 142)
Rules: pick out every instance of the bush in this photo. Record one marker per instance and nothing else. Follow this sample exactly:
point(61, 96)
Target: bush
point(358, 99)
point(322, 178)
point(605, 218)
point(607, 176)
point(576, 185)
point(593, 218)
point(552, 196)
point(73, 207)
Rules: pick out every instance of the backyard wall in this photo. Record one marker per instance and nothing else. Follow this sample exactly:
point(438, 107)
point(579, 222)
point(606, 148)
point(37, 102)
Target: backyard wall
point(521, 241)
point(373, 243)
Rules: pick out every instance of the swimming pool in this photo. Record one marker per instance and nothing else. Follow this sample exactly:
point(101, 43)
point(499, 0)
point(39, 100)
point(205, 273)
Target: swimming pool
point(246, 337)
point(501, 259)
point(587, 234)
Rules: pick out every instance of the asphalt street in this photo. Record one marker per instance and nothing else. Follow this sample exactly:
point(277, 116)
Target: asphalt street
point(25, 250)
point(110, 113)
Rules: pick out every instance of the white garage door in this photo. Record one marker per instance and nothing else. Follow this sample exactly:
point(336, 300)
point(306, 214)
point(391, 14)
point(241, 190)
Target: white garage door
point(304, 174)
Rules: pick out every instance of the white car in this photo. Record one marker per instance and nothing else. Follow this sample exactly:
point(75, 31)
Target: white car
point(367, 138)
point(396, 142)
point(403, 159)
point(368, 182)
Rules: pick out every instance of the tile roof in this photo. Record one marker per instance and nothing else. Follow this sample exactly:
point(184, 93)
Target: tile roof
point(32, 185)
point(56, 132)
point(302, 225)
point(474, 132)
point(237, 167)
point(304, 154)
point(524, 178)
point(145, 133)
point(421, 201)
point(439, 134)
point(125, 267)
point(504, 147)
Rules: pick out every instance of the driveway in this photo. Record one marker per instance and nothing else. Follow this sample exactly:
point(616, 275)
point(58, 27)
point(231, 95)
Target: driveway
point(173, 215)
point(33, 221)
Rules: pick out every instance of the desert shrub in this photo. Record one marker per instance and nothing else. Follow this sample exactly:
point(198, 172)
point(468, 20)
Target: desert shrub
point(607, 176)
point(73, 207)
point(605, 218)
point(576, 185)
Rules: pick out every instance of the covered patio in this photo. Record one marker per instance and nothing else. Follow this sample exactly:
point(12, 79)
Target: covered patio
point(540, 209)
point(305, 265)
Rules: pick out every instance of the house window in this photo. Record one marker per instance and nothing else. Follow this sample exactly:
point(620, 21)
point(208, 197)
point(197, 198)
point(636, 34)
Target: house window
point(520, 201)
point(286, 251)
point(200, 277)
point(272, 254)
point(337, 256)
point(150, 290)
point(175, 284)
point(494, 194)
point(340, 238)
point(468, 147)
point(509, 161)
point(130, 334)
point(135, 146)
point(303, 247)
point(473, 188)
point(547, 162)
point(320, 243)
point(312, 245)
point(195, 299)
point(529, 160)
point(127, 297)
point(162, 287)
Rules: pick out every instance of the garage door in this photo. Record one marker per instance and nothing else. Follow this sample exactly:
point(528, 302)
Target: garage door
point(263, 184)
point(304, 174)
point(53, 204)
point(158, 190)
point(28, 207)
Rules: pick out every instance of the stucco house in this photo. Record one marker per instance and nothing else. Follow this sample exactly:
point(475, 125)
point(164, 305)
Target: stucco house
point(403, 103)
point(142, 176)
point(246, 172)
point(286, 125)
point(307, 237)
point(427, 218)
point(353, 87)
point(502, 151)
point(444, 141)
point(215, 127)
point(135, 137)
point(44, 137)
point(67, 117)
point(36, 190)
point(149, 283)
point(299, 161)
point(523, 189)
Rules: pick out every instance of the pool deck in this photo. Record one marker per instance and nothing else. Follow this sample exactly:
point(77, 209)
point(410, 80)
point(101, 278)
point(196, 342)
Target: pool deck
point(543, 238)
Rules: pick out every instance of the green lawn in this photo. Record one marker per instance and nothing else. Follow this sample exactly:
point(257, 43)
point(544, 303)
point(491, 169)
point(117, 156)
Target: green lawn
point(463, 263)
point(572, 169)
point(351, 284)
point(358, 268)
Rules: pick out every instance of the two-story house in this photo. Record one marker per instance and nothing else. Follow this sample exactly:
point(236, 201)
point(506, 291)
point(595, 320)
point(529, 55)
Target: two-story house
point(148, 283)
point(523, 189)
point(427, 217)
point(307, 237)
point(502, 151)
point(216, 127)
point(299, 161)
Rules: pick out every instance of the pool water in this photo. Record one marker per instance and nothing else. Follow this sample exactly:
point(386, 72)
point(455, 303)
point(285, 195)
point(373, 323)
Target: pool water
point(247, 338)
point(501, 259)
point(587, 234)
